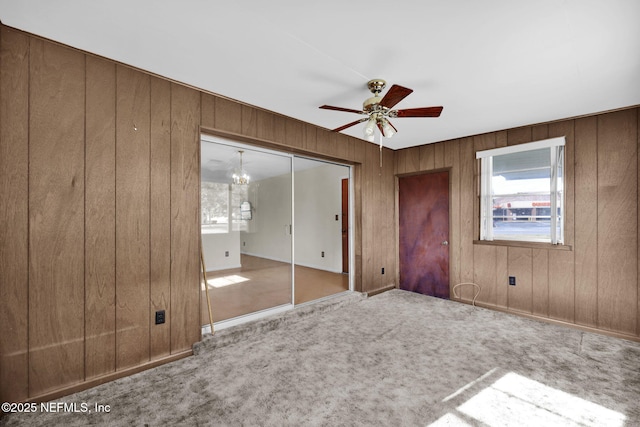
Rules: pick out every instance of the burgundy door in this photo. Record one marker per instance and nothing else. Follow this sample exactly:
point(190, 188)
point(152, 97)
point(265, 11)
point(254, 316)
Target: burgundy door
point(424, 233)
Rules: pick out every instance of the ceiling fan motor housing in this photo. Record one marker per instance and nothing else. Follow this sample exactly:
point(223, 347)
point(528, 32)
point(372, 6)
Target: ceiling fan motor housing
point(370, 103)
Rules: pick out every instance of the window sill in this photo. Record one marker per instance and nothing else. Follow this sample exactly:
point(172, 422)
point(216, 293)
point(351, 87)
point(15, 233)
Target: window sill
point(520, 244)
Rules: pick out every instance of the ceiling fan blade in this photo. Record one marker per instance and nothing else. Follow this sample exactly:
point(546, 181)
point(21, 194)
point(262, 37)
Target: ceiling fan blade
point(348, 125)
point(395, 95)
point(348, 110)
point(419, 112)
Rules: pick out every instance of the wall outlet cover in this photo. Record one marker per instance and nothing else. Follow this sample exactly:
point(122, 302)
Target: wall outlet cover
point(160, 317)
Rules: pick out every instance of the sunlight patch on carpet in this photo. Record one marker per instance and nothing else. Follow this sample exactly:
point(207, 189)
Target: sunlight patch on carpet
point(514, 397)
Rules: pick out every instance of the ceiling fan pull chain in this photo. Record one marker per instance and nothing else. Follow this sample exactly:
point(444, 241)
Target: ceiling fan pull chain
point(380, 154)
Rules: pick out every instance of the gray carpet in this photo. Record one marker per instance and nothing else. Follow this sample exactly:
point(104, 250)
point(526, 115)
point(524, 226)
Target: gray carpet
point(395, 359)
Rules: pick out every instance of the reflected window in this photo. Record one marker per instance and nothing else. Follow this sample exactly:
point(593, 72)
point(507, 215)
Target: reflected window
point(215, 207)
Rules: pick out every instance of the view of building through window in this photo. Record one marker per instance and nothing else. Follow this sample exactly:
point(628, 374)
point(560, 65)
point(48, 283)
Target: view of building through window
point(523, 192)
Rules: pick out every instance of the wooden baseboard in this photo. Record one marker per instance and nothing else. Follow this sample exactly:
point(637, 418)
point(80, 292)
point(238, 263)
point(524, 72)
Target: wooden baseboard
point(381, 290)
point(93, 382)
point(584, 328)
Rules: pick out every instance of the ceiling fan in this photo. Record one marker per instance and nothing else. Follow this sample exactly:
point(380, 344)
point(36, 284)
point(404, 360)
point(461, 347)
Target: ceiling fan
point(378, 110)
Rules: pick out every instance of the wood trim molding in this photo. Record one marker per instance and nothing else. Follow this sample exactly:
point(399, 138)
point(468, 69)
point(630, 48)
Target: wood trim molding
point(518, 244)
point(51, 395)
point(551, 321)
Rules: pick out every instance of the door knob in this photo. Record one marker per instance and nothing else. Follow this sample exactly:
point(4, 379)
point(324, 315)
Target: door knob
point(445, 243)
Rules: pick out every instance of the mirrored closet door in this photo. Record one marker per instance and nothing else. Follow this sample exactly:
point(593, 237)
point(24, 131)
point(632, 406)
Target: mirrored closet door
point(246, 209)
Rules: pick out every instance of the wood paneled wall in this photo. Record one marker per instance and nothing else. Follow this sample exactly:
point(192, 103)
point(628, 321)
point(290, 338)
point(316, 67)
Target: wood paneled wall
point(593, 282)
point(100, 192)
point(99, 182)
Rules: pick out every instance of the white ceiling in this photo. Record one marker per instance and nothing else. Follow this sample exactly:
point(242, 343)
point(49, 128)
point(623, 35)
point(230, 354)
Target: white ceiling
point(492, 64)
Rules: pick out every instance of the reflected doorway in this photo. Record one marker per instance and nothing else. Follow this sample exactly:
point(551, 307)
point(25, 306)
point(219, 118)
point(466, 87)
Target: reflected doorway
point(274, 240)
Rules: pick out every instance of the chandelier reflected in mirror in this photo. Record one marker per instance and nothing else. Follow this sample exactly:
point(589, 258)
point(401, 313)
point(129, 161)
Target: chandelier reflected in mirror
point(240, 176)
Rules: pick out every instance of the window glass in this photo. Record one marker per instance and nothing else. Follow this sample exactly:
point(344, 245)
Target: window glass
point(215, 207)
point(522, 193)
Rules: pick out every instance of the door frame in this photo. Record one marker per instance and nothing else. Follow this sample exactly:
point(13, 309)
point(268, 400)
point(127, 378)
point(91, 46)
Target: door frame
point(397, 218)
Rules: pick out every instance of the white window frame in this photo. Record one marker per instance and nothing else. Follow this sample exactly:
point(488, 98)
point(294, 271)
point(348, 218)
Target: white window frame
point(556, 149)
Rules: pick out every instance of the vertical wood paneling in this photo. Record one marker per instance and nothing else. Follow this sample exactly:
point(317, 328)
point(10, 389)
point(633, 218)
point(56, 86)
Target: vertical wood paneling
point(160, 218)
point(249, 120)
point(293, 134)
point(456, 256)
point(331, 144)
point(100, 204)
point(540, 282)
point(132, 217)
point(265, 125)
point(617, 221)
point(185, 216)
point(349, 149)
point(438, 159)
point(388, 220)
point(502, 276)
point(586, 222)
point(539, 132)
point(427, 157)
point(56, 217)
point(370, 267)
point(561, 289)
point(207, 110)
point(519, 135)
point(228, 115)
point(279, 132)
point(358, 235)
point(413, 159)
point(310, 138)
point(486, 273)
point(501, 138)
point(520, 266)
point(400, 162)
point(14, 214)
point(466, 166)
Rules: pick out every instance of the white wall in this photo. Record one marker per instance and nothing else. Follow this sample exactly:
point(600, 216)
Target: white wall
point(214, 247)
point(318, 199)
point(267, 233)
point(317, 202)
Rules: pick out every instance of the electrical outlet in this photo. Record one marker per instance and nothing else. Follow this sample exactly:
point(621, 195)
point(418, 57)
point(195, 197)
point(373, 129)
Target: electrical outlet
point(512, 280)
point(226, 253)
point(322, 254)
point(382, 270)
point(159, 317)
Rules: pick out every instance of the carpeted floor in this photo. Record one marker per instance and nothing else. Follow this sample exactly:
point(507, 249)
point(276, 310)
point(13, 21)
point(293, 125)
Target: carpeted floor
point(395, 359)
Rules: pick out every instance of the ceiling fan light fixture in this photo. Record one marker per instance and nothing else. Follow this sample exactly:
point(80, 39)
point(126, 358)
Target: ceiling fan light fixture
point(387, 130)
point(369, 128)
